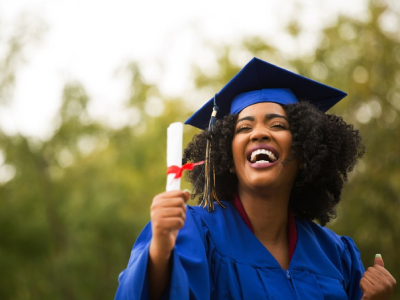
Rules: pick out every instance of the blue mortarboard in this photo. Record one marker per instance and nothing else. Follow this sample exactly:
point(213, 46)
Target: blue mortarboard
point(260, 81)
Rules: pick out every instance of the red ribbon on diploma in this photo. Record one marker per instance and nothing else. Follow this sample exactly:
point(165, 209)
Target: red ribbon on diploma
point(179, 170)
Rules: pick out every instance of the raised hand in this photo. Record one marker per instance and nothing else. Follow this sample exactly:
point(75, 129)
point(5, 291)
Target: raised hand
point(377, 283)
point(168, 215)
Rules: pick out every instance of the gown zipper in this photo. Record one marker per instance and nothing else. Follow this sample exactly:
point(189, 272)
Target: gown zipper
point(289, 277)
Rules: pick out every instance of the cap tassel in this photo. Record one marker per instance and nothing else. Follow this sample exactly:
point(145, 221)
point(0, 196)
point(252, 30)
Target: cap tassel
point(209, 193)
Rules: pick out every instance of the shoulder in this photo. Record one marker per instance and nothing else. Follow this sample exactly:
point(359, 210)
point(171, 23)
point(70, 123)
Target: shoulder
point(202, 219)
point(322, 234)
point(334, 245)
point(203, 213)
point(222, 227)
point(220, 216)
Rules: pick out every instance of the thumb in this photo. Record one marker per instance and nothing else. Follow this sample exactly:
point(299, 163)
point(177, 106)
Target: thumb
point(186, 194)
point(378, 260)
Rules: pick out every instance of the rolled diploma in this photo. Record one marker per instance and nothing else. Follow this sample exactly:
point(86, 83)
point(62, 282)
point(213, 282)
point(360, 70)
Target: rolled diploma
point(174, 153)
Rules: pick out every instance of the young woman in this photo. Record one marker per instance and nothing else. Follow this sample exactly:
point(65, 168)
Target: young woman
point(277, 162)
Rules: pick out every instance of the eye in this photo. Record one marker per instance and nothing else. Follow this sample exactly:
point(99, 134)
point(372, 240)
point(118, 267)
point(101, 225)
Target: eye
point(243, 128)
point(279, 125)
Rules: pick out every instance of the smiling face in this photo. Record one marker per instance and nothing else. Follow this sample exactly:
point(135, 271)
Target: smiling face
point(262, 149)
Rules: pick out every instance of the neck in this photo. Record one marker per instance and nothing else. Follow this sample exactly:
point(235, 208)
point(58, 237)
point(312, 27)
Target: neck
point(268, 214)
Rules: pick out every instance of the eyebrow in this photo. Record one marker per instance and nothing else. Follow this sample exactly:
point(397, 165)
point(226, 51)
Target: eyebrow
point(267, 116)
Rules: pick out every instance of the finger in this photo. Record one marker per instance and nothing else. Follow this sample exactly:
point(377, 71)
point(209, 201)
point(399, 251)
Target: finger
point(167, 195)
point(365, 285)
point(379, 276)
point(370, 276)
point(186, 195)
point(169, 224)
point(380, 272)
point(385, 272)
point(168, 202)
point(378, 260)
point(170, 212)
point(175, 193)
point(162, 212)
point(172, 195)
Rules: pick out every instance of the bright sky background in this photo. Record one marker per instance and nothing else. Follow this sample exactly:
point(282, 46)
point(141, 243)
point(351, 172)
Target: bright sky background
point(91, 41)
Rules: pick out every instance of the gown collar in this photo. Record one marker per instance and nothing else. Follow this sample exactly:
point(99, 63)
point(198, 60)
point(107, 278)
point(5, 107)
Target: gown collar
point(292, 224)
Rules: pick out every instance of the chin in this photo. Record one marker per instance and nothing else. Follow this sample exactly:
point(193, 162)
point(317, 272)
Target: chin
point(261, 185)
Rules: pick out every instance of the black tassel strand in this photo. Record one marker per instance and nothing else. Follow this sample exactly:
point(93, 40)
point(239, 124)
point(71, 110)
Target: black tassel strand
point(209, 193)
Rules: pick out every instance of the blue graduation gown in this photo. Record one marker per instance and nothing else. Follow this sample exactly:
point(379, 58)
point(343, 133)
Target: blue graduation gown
point(217, 257)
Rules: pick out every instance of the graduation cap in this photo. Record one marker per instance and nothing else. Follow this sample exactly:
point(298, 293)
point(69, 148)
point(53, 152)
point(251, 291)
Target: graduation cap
point(259, 81)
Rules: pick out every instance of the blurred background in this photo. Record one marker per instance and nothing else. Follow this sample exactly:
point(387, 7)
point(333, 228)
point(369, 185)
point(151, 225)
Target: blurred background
point(87, 90)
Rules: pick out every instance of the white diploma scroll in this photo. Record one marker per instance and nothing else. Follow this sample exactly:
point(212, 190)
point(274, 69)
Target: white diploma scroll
point(174, 153)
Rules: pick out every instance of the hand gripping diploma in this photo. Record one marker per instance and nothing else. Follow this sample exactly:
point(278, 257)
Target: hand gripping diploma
point(168, 214)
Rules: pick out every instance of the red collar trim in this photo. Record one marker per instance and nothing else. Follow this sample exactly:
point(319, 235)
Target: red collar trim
point(292, 224)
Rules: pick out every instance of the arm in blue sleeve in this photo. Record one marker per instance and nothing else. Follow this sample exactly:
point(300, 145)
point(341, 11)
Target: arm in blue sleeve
point(189, 274)
point(353, 268)
point(133, 281)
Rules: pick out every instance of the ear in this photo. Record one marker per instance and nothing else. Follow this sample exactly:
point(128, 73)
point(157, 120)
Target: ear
point(232, 170)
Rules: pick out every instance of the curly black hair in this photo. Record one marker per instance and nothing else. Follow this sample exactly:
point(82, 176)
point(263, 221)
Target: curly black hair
point(327, 147)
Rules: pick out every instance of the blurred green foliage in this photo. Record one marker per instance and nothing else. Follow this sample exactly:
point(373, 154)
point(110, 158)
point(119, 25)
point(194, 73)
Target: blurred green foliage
point(72, 206)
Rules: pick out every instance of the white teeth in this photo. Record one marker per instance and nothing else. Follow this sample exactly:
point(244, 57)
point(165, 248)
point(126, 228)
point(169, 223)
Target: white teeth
point(262, 151)
point(261, 161)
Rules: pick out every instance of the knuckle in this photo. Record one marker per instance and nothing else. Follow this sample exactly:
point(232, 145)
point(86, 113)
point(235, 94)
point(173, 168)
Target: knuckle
point(392, 284)
point(157, 228)
point(154, 205)
point(156, 219)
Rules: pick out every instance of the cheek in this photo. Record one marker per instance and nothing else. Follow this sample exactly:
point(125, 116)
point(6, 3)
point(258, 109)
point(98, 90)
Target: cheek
point(286, 142)
point(237, 150)
point(235, 161)
point(234, 156)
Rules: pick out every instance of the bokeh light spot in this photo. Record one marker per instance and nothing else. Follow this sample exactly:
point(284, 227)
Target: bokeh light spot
point(360, 74)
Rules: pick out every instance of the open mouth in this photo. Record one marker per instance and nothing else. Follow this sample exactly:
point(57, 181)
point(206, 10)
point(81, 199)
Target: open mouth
point(262, 156)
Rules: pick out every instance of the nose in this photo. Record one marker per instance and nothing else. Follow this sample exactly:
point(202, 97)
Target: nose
point(260, 134)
